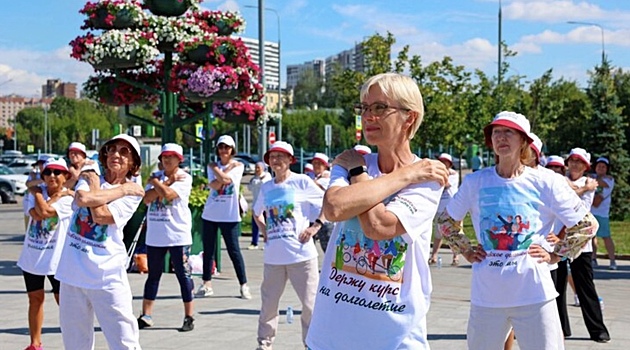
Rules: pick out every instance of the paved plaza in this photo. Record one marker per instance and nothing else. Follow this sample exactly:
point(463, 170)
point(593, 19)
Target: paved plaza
point(224, 321)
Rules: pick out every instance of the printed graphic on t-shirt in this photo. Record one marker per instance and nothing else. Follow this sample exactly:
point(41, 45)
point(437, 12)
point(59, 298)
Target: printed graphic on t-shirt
point(41, 230)
point(160, 210)
point(378, 260)
point(505, 222)
point(225, 190)
point(279, 206)
point(83, 226)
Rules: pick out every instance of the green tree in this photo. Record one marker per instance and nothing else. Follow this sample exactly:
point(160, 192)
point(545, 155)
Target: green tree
point(308, 91)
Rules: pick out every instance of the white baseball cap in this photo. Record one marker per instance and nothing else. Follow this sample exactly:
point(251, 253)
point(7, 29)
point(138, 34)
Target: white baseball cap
point(172, 149)
point(129, 139)
point(280, 146)
point(322, 157)
point(308, 167)
point(226, 139)
point(42, 158)
point(508, 119)
point(92, 166)
point(53, 163)
point(554, 161)
point(362, 149)
point(580, 154)
point(77, 146)
point(446, 156)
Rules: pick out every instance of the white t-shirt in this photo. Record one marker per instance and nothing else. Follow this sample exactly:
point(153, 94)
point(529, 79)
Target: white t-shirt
point(222, 205)
point(323, 179)
point(603, 209)
point(44, 239)
point(94, 256)
point(288, 205)
point(169, 224)
point(587, 202)
point(358, 307)
point(509, 215)
point(449, 192)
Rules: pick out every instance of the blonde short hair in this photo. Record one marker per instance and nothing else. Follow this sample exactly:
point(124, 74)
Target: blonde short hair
point(403, 90)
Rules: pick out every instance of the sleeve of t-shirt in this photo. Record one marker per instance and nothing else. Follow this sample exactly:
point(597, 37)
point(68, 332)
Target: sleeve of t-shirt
point(211, 176)
point(82, 185)
point(338, 177)
point(259, 205)
point(314, 196)
point(565, 203)
point(123, 208)
point(608, 190)
point(414, 205)
point(236, 174)
point(459, 205)
point(63, 207)
point(183, 187)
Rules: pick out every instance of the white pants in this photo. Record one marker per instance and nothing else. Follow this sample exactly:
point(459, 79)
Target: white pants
point(304, 277)
point(536, 327)
point(113, 310)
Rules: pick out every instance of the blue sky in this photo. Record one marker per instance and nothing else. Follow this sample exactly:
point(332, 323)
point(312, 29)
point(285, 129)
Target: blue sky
point(34, 34)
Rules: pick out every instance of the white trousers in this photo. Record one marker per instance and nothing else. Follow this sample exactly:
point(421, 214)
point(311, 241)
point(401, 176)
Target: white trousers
point(114, 312)
point(536, 327)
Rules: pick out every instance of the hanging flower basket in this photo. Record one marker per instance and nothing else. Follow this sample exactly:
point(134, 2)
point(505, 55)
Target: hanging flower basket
point(112, 14)
point(215, 50)
point(219, 96)
point(170, 31)
point(170, 8)
point(115, 49)
point(221, 23)
point(239, 112)
point(216, 83)
point(107, 90)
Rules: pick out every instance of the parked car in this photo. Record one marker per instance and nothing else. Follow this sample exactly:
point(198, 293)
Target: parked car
point(18, 180)
point(456, 163)
point(7, 191)
point(250, 167)
point(22, 165)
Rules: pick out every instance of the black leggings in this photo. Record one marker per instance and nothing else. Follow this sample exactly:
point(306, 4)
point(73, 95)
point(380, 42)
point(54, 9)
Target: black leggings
point(36, 282)
point(230, 233)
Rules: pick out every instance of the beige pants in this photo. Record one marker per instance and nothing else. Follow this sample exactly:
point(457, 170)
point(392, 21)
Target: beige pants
point(304, 277)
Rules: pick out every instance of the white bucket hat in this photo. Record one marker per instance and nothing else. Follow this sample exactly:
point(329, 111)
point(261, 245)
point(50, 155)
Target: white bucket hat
point(129, 139)
point(53, 163)
point(362, 149)
point(308, 167)
point(77, 146)
point(172, 149)
point(580, 154)
point(446, 156)
point(321, 157)
point(536, 144)
point(280, 146)
point(92, 167)
point(554, 161)
point(512, 120)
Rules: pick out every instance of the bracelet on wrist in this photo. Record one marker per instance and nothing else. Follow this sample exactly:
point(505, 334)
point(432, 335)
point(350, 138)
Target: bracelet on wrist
point(318, 221)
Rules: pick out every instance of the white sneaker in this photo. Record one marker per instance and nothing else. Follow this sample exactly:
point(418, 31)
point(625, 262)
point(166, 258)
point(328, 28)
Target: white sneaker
point(576, 300)
point(252, 247)
point(204, 291)
point(245, 294)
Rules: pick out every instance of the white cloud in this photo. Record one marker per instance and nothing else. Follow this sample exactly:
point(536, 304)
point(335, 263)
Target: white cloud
point(553, 11)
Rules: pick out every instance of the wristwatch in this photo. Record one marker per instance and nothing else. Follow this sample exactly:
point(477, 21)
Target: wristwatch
point(356, 171)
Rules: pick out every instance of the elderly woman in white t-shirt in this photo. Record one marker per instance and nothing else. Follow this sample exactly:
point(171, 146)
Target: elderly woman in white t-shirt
point(287, 201)
point(92, 268)
point(449, 191)
point(375, 280)
point(512, 207)
point(49, 214)
point(168, 231)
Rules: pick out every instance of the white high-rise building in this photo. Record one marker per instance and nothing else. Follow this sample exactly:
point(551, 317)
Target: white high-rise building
point(295, 71)
point(272, 61)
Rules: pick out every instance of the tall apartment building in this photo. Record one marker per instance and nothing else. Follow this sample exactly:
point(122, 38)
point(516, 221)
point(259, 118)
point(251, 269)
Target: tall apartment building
point(295, 71)
point(11, 105)
point(55, 87)
point(272, 61)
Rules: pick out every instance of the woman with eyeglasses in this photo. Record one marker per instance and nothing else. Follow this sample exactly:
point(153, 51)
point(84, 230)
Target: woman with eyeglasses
point(222, 212)
point(375, 281)
point(92, 268)
point(49, 218)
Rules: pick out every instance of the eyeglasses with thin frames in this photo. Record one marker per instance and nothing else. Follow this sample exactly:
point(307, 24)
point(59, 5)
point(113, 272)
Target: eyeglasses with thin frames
point(122, 150)
point(377, 109)
point(48, 172)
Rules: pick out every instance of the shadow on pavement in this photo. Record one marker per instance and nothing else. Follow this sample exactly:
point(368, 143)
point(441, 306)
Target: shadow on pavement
point(622, 272)
point(8, 268)
point(446, 336)
point(24, 330)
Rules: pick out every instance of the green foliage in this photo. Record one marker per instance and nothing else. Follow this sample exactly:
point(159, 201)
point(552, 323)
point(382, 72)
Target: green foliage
point(199, 193)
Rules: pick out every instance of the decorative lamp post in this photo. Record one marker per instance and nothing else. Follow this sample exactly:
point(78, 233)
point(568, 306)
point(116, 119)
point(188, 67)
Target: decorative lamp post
point(601, 30)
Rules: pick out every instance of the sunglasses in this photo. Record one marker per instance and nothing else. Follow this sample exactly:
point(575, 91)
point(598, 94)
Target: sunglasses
point(122, 150)
point(376, 109)
point(48, 172)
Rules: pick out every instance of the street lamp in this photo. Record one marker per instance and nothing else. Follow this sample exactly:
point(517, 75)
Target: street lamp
point(279, 68)
point(602, 31)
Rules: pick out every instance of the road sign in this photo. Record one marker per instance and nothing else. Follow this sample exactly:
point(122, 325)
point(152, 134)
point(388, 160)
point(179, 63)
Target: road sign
point(358, 134)
point(328, 134)
point(272, 137)
point(357, 122)
point(199, 130)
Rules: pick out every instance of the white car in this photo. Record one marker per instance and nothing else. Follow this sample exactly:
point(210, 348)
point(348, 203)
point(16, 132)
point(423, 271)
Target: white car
point(18, 180)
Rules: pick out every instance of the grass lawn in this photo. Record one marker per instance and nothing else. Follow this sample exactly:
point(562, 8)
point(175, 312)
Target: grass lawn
point(620, 234)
